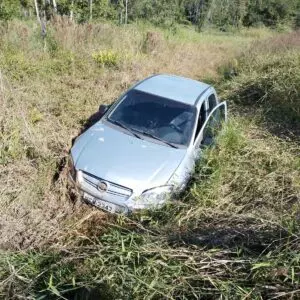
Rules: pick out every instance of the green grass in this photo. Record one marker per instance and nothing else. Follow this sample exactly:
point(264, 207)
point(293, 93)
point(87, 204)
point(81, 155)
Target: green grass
point(268, 79)
point(234, 233)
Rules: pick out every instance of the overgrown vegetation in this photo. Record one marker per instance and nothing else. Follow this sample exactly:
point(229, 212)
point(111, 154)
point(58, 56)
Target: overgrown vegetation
point(269, 79)
point(234, 233)
point(106, 58)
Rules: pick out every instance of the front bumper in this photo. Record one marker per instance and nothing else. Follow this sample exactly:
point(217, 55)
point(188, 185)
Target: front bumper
point(91, 196)
point(108, 201)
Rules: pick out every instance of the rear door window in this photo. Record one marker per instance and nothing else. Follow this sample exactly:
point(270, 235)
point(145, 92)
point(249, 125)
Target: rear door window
point(212, 102)
point(214, 124)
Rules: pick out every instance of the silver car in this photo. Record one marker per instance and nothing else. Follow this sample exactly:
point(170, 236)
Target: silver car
point(144, 147)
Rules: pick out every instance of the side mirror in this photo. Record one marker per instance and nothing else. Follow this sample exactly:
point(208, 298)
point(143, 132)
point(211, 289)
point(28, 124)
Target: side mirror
point(103, 109)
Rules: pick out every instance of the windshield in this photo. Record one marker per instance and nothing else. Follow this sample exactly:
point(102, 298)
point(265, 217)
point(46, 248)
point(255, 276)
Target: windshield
point(156, 117)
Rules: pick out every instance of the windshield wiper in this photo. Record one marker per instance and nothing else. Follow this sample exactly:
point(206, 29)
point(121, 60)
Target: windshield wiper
point(118, 123)
point(155, 137)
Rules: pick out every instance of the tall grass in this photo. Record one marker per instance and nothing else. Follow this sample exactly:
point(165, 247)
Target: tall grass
point(234, 234)
point(48, 90)
point(268, 78)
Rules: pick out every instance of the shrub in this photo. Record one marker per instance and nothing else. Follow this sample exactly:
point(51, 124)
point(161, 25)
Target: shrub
point(297, 20)
point(17, 65)
point(11, 147)
point(107, 58)
point(152, 42)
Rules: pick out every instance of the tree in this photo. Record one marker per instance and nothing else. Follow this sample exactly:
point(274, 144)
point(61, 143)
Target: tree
point(126, 11)
point(269, 12)
point(158, 12)
point(37, 11)
point(217, 13)
point(91, 9)
point(54, 6)
point(10, 9)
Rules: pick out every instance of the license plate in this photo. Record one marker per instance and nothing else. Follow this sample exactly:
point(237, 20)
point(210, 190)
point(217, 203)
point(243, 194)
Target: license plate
point(110, 207)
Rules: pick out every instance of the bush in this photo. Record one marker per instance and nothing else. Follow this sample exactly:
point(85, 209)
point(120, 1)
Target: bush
point(297, 21)
point(107, 58)
point(152, 42)
point(16, 64)
point(9, 9)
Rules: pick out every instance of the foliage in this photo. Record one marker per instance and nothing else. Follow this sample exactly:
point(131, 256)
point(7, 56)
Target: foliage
point(234, 233)
point(9, 9)
point(297, 20)
point(162, 13)
point(269, 12)
point(166, 13)
point(106, 58)
point(269, 78)
point(102, 9)
point(228, 13)
point(197, 11)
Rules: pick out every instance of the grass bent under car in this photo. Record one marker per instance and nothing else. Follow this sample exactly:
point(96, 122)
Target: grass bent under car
point(144, 147)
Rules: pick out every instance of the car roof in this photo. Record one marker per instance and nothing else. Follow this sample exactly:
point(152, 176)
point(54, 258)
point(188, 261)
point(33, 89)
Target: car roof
point(173, 87)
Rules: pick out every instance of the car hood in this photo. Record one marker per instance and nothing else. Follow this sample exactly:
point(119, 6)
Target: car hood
point(118, 157)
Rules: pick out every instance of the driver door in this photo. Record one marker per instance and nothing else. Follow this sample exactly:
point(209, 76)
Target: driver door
point(211, 126)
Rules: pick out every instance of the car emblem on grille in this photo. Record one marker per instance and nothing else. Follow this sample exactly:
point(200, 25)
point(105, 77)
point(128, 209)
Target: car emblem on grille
point(102, 186)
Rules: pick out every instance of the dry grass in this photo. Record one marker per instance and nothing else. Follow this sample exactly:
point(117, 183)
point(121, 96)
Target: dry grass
point(48, 91)
point(235, 232)
point(267, 83)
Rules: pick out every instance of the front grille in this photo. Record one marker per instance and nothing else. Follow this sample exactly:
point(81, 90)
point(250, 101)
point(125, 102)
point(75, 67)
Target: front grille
point(115, 191)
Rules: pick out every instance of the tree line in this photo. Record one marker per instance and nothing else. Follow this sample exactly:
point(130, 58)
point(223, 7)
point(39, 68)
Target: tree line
point(217, 13)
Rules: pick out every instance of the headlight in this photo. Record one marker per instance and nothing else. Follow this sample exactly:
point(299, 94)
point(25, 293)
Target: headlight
point(151, 198)
point(71, 167)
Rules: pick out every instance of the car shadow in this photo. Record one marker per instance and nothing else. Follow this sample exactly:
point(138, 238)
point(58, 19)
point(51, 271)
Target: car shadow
point(93, 119)
point(101, 292)
point(287, 132)
point(248, 236)
point(86, 124)
point(282, 124)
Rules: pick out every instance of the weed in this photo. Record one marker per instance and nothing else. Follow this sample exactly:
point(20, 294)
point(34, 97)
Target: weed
point(233, 234)
point(107, 58)
point(269, 80)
